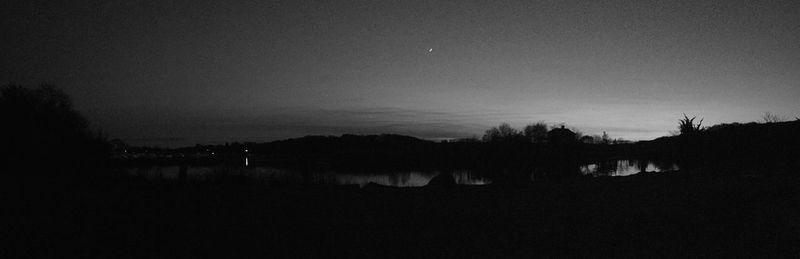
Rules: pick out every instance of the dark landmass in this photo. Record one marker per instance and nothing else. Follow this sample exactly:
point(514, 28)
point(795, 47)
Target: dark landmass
point(656, 215)
point(752, 146)
point(66, 192)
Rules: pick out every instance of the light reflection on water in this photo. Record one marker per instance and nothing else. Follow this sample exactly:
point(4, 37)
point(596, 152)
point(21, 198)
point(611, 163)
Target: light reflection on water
point(401, 179)
point(404, 179)
point(396, 179)
point(625, 168)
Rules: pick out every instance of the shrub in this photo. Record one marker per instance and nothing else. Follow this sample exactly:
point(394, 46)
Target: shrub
point(687, 126)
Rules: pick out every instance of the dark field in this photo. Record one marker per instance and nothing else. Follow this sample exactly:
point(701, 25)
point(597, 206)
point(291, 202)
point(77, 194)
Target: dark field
point(663, 215)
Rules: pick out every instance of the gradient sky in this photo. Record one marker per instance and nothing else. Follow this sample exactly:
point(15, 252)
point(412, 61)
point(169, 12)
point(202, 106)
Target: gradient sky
point(176, 73)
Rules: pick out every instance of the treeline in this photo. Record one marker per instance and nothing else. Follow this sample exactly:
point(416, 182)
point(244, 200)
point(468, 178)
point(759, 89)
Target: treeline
point(43, 133)
point(503, 149)
point(500, 147)
point(373, 153)
point(538, 133)
point(733, 146)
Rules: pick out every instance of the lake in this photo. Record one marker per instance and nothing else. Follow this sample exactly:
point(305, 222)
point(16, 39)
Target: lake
point(625, 167)
point(272, 175)
point(275, 175)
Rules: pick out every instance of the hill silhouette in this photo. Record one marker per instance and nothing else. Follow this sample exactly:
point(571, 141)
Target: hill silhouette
point(771, 145)
point(515, 157)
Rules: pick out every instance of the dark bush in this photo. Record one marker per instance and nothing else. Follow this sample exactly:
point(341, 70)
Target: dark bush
point(42, 133)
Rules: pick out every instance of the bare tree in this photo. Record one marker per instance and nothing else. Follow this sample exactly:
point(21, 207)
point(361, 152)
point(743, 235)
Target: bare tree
point(491, 134)
point(507, 131)
point(536, 133)
point(772, 118)
point(499, 133)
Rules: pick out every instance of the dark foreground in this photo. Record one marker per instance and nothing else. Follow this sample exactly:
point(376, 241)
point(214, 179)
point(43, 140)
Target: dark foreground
point(666, 215)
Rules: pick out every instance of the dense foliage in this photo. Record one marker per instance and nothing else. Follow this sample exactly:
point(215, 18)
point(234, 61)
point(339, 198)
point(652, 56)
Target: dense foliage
point(41, 130)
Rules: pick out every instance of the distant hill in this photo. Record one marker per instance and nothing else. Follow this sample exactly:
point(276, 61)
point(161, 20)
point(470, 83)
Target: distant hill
point(350, 140)
point(772, 145)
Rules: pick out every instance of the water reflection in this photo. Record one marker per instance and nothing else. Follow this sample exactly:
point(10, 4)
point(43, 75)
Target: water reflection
point(280, 176)
point(397, 179)
point(470, 178)
point(625, 167)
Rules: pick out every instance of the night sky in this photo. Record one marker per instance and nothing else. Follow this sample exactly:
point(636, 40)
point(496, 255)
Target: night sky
point(175, 73)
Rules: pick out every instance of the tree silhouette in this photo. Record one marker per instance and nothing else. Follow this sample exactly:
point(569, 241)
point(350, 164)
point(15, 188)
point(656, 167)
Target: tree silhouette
point(504, 132)
point(41, 130)
point(536, 133)
point(605, 139)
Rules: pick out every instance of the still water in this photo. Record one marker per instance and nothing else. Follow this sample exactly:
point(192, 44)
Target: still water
point(625, 167)
point(272, 175)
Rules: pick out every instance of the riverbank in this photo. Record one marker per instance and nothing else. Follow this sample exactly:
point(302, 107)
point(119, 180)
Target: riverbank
point(663, 215)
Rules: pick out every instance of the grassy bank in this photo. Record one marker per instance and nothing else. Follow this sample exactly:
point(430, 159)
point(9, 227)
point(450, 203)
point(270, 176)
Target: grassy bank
point(670, 214)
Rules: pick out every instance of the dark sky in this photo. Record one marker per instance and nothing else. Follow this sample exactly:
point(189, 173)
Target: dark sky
point(184, 72)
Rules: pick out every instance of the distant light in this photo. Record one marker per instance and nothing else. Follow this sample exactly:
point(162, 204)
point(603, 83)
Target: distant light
point(212, 153)
point(246, 162)
point(245, 150)
point(430, 50)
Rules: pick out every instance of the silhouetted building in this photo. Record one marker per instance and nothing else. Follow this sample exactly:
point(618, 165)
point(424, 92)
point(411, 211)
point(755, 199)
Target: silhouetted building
point(561, 136)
